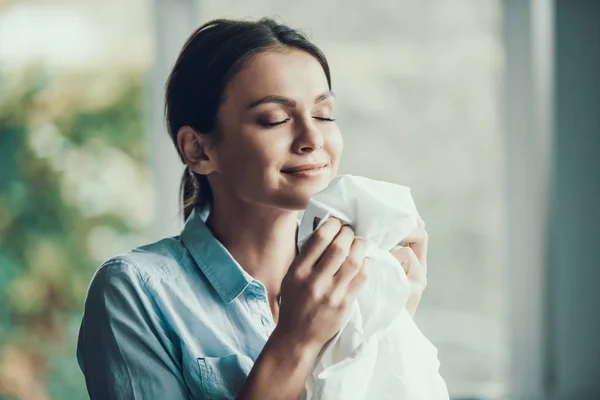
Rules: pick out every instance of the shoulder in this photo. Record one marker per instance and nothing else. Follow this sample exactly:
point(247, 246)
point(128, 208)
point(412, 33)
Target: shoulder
point(134, 279)
point(163, 270)
point(165, 259)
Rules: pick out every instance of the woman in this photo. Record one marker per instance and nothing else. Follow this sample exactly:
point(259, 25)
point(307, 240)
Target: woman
point(230, 308)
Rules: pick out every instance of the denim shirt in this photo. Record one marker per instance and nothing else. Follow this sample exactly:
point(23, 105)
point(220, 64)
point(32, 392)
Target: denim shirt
point(175, 319)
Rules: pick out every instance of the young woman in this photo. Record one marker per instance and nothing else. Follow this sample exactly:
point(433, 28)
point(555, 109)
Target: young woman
point(230, 308)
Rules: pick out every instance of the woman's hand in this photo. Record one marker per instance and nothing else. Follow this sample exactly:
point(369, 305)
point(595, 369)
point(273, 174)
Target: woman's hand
point(316, 296)
point(320, 286)
point(413, 258)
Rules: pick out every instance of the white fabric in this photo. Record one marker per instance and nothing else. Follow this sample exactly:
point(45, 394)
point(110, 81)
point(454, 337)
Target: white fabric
point(379, 353)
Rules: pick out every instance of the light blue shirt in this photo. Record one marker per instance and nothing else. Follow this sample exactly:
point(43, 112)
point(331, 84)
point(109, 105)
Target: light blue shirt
point(175, 319)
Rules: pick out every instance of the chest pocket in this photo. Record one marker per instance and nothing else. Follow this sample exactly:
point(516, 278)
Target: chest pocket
point(223, 377)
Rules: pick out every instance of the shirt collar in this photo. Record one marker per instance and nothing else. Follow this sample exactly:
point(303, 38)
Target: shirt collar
point(224, 273)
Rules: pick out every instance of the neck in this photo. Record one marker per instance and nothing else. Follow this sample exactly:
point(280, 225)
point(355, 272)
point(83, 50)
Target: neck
point(261, 239)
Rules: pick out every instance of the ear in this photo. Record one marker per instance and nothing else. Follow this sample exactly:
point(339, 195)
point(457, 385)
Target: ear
point(197, 150)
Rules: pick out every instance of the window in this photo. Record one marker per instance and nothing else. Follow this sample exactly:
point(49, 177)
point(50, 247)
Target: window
point(418, 102)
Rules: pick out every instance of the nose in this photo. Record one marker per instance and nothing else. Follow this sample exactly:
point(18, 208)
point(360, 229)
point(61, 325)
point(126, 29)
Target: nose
point(308, 138)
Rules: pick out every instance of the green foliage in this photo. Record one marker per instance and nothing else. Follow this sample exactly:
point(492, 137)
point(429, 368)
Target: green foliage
point(49, 125)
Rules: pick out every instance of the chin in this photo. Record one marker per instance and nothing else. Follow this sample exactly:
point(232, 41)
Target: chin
point(298, 198)
point(294, 191)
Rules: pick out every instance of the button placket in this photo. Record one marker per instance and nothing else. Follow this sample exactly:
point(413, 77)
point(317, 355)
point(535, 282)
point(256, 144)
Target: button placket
point(266, 314)
point(253, 303)
point(269, 322)
point(258, 298)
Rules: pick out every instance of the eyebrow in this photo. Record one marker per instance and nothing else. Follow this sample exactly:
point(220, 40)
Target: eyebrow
point(287, 101)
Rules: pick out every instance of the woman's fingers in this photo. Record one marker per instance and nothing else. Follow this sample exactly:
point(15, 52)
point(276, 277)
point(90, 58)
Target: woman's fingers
point(358, 281)
point(336, 253)
point(351, 264)
point(410, 263)
point(418, 241)
point(316, 246)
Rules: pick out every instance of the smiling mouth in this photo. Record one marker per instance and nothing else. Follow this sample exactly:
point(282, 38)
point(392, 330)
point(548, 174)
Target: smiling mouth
point(307, 173)
point(305, 168)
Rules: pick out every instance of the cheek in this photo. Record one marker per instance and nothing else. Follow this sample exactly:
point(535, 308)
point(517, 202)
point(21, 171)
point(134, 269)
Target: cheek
point(335, 146)
point(248, 158)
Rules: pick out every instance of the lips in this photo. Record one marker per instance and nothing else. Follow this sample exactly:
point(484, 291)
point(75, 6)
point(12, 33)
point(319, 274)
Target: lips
point(304, 167)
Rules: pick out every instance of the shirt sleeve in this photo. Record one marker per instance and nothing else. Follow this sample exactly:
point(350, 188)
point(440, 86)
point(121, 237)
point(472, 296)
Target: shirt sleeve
point(123, 349)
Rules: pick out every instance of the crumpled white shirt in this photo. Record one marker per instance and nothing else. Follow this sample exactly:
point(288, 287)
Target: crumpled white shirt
point(379, 352)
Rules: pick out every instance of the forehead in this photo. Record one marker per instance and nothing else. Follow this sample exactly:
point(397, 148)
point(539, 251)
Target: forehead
point(286, 72)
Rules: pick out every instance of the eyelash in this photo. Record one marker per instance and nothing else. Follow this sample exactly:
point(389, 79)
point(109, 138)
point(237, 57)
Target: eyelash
point(272, 124)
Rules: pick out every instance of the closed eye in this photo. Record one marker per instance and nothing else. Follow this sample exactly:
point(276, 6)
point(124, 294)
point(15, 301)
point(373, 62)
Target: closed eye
point(272, 124)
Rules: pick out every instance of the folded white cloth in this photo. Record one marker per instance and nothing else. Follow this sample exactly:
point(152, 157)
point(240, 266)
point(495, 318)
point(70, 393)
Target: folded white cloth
point(379, 353)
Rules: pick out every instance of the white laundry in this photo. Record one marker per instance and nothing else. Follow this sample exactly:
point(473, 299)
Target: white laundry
point(379, 353)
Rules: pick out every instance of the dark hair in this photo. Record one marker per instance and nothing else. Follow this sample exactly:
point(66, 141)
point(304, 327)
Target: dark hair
point(210, 57)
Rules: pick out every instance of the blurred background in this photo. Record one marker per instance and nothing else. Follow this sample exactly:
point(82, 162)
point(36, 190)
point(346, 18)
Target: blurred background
point(488, 109)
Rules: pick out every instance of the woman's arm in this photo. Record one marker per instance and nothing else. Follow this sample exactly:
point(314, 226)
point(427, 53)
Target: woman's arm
point(123, 350)
point(281, 370)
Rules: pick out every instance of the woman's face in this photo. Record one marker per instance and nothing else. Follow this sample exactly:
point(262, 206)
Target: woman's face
point(276, 117)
